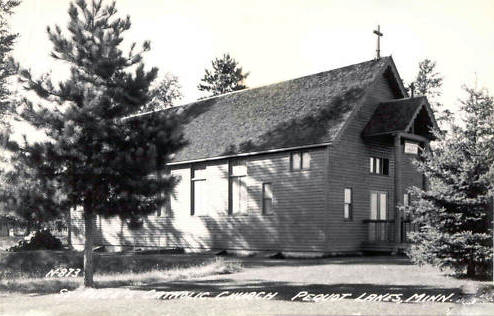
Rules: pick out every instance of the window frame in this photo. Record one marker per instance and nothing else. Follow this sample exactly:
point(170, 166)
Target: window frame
point(348, 218)
point(301, 154)
point(379, 166)
point(242, 184)
point(193, 180)
point(165, 210)
point(406, 199)
point(378, 205)
point(264, 198)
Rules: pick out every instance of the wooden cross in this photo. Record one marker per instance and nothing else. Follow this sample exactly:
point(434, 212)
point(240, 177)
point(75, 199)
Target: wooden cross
point(379, 34)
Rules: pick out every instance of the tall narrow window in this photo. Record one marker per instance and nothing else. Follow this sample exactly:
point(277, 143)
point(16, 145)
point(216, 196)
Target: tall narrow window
point(238, 187)
point(385, 168)
point(378, 205)
point(300, 161)
point(383, 205)
point(199, 194)
point(373, 205)
point(296, 161)
point(165, 209)
point(305, 160)
point(347, 208)
point(406, 199)
point(267, 199)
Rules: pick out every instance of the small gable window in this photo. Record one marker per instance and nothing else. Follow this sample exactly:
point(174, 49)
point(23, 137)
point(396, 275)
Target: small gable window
point(300, 161)
point(379, 165)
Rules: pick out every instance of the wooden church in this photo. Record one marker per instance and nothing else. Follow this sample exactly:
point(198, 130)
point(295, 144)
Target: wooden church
point(318, 163)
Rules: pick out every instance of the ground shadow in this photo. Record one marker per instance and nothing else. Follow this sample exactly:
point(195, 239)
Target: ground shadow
point(289, 291)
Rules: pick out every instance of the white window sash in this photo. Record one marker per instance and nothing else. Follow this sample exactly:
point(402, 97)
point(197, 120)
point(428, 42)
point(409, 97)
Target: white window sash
point(267, 198)
point(373, 206)
point(306, 159)
point(296, 161)
point(383, 198)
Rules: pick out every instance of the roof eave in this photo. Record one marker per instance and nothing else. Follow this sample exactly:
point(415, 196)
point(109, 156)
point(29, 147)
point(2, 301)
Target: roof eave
point(249, 154)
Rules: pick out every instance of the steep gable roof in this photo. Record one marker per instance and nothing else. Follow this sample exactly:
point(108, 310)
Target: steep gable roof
point(397, 116)
point(304, 111)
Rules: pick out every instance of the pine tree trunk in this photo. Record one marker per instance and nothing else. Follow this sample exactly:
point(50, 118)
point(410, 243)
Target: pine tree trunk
point(88, 248)
point(471, 270)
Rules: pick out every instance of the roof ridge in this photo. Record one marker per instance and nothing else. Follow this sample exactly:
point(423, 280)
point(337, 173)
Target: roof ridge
point(267, 85)
point(283, 81)
point(404, 99)
point(258, 87)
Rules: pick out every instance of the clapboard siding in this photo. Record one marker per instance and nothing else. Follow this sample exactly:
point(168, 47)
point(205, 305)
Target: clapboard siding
point(409, 174)
point(349, 168)
point(298, 223)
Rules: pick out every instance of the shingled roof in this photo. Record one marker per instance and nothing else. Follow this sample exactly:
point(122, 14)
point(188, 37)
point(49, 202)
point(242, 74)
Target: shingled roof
point(396, 116)
point(305, 111)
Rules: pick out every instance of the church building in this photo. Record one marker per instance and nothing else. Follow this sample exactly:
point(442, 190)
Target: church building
point(314, 164)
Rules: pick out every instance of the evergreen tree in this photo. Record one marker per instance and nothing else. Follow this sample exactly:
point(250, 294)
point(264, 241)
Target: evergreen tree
point(30, 202)
point(225, 76)
point(7, 40)
point(429, 82)
point(454, 212)
point(164, 95)
point(99, 157)
point(7, 67)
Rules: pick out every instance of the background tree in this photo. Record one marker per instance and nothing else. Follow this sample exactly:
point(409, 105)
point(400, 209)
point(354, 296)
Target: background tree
point(428, 82)
point(7, 70)
point(164, 95)
point(96, 158)
point(454, 212)
point(28, 201)
point(7, 66)
point(225, 76)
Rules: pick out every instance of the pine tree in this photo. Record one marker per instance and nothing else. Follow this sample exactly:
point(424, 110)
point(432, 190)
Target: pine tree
point(226, 76)
point(7, 69)
point(454, 212)
point(28, 201)
point(7, 40)
point(428, 82)
point(7, 66)
point(99, 156)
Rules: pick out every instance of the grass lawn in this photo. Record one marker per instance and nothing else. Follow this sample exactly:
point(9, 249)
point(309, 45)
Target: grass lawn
point(25, 272)
point(383, 274)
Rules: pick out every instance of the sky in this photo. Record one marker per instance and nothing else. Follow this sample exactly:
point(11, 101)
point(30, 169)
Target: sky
point(277, 40)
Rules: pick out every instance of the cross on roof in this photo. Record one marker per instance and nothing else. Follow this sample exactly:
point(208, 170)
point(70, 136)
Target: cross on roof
point(379, 34)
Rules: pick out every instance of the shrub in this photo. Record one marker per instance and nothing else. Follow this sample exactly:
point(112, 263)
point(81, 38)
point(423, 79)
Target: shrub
point(40, 240)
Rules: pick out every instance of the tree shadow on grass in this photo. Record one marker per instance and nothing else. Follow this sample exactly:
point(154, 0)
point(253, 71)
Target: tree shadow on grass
point(253, 262)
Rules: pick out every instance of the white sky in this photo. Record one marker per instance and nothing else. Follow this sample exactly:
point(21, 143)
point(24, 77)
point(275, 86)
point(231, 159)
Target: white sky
point(276, 40)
